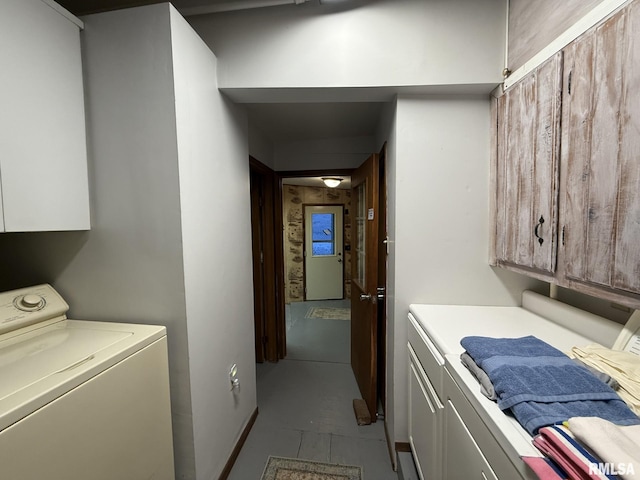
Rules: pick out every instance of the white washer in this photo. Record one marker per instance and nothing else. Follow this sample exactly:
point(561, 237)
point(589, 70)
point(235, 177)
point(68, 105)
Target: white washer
point(80, 399)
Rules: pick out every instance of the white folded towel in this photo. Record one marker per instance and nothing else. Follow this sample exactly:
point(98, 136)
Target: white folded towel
point(615, 445)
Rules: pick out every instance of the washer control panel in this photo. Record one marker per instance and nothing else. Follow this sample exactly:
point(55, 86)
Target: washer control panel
point(26, 306)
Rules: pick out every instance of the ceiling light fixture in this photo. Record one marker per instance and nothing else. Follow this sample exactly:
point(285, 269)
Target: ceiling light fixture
point(331, 182)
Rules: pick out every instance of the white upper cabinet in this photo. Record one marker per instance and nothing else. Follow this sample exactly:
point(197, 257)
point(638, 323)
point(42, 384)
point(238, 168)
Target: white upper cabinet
point(43, 152)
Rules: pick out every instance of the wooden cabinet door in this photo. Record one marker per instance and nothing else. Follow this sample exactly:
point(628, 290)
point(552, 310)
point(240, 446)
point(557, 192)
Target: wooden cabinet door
point(601, 155)
point(527, 170)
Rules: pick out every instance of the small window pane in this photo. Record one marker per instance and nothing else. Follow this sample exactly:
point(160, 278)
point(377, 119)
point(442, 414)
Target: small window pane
point(360, 225)
point(322, 248)
point(322, 234)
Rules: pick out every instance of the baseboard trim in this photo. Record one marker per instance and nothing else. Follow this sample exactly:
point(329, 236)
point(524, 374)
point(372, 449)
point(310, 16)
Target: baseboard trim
point(236, 450)
point(392, 453)
point(403, 447)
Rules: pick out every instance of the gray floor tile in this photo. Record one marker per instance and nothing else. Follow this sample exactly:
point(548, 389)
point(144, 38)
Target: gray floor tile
point(306, 403)
point(315, 446)
point(371, 454)
point(312, 396)
point(320, 340)
point(262, 442)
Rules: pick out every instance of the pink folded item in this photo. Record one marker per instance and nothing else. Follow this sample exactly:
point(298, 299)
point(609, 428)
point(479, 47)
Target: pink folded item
point(545, 469)
point(557, 443)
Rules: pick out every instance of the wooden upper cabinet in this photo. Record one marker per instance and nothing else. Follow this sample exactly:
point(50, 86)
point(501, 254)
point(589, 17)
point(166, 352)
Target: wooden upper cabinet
point(600, 199)
point(526, 175)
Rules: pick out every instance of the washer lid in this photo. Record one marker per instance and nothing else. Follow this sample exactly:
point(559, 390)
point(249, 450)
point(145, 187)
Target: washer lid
point(25, 361)
point(38, 365)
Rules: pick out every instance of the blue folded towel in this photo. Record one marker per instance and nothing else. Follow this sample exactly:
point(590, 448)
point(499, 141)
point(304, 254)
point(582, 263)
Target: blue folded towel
point(541, 385)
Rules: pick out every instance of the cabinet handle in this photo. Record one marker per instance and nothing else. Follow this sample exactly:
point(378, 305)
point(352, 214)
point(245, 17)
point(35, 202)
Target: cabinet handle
point(535, 231)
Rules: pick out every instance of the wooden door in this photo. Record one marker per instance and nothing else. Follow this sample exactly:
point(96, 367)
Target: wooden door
point(527, 173)
point(364, 280)
point(601, 155)
point(269, 338)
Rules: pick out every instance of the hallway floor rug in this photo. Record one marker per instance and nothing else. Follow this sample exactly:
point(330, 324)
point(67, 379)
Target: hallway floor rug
point(279, 468)
point(329, 313)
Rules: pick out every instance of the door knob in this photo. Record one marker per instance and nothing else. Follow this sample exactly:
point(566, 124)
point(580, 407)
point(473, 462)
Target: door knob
point(365, 296)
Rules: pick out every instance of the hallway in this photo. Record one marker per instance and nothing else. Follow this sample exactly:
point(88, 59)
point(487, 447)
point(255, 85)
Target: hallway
point(305, 402)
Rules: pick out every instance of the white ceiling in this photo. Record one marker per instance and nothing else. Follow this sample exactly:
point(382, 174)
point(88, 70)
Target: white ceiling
point(303, 121)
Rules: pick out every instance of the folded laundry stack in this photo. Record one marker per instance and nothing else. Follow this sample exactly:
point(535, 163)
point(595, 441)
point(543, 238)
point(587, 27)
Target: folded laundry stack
point(624, 367)
point(586, 448)
point(543, 388)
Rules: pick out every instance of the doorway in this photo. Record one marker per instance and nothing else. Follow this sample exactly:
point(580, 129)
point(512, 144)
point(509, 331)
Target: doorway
point(289, 235)
point(323, 247)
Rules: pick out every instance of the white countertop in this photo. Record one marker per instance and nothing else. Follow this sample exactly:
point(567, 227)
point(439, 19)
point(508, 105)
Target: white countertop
point(446, 325)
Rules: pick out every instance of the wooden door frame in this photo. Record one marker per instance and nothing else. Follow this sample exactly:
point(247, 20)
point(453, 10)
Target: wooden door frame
point(281, 327)
point(264, 219)
point(382, 278)
point(274, 291)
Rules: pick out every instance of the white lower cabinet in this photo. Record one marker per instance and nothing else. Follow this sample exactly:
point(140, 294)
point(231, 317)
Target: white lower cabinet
point(471, 449)
point(463, 457)
point(425, 421)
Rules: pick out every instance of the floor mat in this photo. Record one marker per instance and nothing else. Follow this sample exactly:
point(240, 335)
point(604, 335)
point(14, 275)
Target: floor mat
point(279, 468)
point(329, 313)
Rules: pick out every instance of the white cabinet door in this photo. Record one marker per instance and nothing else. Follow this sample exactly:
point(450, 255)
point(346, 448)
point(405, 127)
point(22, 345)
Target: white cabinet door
point(425, 421)
point(43, 153)
point(463, 458)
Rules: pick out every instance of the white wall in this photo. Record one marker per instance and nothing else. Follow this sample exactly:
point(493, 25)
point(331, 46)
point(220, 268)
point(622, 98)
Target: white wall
point(169, 244)
point(328, 153)
point(374, 43)
point(261, 147)
point(134, 164)
point(216, 235)
point(440, 226)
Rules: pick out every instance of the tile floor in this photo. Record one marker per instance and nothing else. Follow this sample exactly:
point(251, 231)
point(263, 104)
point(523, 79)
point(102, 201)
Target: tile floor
point(305, 403)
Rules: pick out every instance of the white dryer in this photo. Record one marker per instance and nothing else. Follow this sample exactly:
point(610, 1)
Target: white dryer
point(80, 400)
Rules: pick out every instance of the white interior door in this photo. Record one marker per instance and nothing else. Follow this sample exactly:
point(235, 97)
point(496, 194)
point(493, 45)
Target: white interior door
point(324, 265)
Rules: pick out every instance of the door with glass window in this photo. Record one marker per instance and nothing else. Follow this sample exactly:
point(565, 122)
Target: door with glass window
point(365, 202)
point(324, 265)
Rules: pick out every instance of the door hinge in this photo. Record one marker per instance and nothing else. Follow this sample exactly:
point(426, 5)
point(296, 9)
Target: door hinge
point(562, 236)
point(569, 82)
